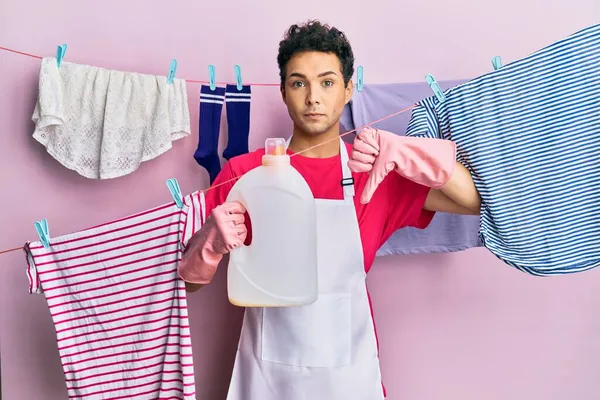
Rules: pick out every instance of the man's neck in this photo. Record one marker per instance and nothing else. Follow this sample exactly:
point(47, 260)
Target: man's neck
point(322, 146)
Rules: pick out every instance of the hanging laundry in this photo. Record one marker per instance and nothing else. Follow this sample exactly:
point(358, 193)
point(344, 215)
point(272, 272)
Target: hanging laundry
point(529, 133)
point(207, 153)
point(238, 120)
point(118, 306)
point(446, 232)
point(103, 123)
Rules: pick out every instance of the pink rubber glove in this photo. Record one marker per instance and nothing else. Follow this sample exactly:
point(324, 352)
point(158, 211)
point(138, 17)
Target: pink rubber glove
point(223, 231)
point(426, 161)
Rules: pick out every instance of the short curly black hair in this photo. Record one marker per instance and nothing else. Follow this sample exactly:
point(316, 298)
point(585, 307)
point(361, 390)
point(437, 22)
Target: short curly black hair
point(315, 36)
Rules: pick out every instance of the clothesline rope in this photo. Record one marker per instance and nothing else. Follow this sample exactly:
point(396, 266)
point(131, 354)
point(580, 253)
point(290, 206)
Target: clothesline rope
point(236, 178)
point(292, 155)
point(187, 80)
point(321, 144)
point(13, 249)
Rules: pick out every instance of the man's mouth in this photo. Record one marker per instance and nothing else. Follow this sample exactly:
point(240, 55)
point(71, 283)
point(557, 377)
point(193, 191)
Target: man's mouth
point(314, 115)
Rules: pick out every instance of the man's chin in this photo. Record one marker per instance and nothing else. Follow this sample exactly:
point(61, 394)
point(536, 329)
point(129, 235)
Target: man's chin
point(315, 130)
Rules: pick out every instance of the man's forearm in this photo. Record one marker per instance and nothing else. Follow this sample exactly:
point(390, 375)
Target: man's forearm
point(461, 189)
point(425, 161)
point(192, 287)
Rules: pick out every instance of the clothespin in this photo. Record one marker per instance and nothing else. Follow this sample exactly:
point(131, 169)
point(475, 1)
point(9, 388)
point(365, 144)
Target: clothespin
point(60, 54)
point(437, 90)
point(173, 186)
point(497, 62)
point(238, 76)
point(172, 70)
point(43, 232)
point(359, 79)
point(211, 77)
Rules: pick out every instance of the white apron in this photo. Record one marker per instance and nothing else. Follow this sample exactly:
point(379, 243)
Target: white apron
point(326, 350)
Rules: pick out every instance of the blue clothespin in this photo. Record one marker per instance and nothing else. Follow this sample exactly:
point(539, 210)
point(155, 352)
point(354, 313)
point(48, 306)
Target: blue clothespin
point(211, 77)
point(238, 76)
point(497, 62)
point(359, 79)
point(60, 54)
point(437, 90)
point(173, 186)
point(43, 232)
point(172, 70)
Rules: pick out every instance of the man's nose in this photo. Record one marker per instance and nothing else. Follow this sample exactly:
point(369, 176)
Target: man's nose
point(313, 96)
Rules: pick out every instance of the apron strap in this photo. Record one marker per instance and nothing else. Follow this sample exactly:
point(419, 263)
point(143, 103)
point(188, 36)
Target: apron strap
point(347, 179)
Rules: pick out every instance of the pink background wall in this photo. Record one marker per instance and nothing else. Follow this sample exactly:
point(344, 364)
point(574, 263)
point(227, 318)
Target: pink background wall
point(452, 326)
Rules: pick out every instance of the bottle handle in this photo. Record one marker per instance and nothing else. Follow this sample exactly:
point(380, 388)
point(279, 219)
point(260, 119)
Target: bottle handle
point(241, 251)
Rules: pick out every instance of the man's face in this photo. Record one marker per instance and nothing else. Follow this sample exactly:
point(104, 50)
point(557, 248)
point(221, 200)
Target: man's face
point(314, 91)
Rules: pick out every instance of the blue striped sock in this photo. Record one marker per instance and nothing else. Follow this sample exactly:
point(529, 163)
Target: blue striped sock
point(211, 105)
point(238, 120)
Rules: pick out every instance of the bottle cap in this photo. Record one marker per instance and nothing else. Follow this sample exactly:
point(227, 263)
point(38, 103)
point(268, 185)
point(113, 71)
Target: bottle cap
point(275, 147)
point(275, 152)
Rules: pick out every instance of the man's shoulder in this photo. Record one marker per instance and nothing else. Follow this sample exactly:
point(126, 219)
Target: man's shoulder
point(243, 163)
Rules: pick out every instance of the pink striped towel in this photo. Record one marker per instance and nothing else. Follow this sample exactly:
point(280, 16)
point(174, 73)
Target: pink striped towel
point(118, 306)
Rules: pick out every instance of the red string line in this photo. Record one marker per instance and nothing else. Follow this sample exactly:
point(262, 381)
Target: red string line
point(20, 52)
point(320, 144)
point(9, 250)
point(253, 84)
point(187, 80)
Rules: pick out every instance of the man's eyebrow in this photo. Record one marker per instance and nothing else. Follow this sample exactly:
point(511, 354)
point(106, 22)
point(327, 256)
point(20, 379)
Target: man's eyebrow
point(327, 73)
point(299, 75)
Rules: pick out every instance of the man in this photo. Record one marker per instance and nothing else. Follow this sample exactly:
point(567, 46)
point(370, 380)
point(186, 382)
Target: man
point(384, 182)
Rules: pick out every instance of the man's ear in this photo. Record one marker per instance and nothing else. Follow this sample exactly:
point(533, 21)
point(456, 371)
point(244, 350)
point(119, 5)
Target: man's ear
point(349, 91)
point(282, 90)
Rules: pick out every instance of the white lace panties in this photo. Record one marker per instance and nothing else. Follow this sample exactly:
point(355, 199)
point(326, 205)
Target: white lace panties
point(103, 123)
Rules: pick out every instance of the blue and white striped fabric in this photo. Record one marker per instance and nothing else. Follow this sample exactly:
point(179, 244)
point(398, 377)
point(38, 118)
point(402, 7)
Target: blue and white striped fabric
point(447, 232)
point(530, 135)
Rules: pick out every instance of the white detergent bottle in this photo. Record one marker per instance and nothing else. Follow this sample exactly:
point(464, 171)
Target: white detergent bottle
point(279, 267)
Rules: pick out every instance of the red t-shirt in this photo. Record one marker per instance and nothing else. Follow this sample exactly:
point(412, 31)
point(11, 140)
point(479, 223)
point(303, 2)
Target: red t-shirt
point(396, 203)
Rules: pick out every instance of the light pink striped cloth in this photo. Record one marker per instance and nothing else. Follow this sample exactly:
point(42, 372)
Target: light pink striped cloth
point(118, 306)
